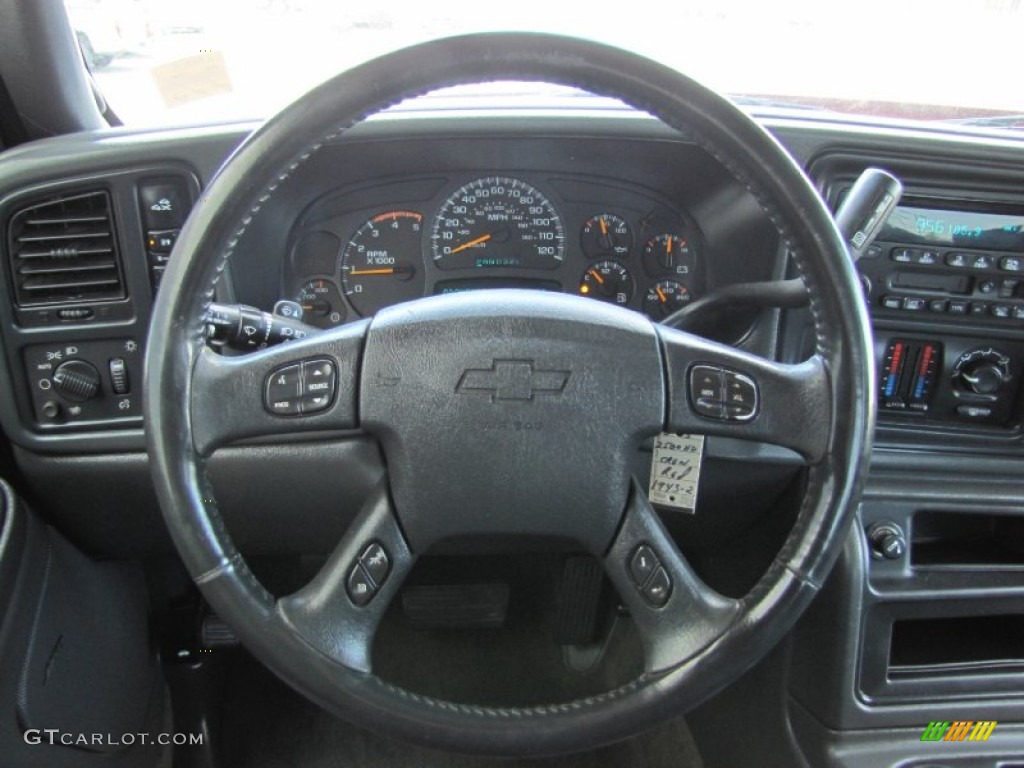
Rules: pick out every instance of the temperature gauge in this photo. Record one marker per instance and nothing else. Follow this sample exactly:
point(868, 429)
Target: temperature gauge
point(608, 281)
point(664, 298)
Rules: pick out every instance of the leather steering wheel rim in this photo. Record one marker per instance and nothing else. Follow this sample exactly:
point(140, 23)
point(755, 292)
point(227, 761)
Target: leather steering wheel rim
point(842, 397)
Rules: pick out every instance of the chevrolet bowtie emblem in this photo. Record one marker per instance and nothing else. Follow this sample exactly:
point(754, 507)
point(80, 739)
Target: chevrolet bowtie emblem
point(512, 380)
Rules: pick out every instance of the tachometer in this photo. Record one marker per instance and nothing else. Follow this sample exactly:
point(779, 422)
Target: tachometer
point(383, 262)
point(497, 222)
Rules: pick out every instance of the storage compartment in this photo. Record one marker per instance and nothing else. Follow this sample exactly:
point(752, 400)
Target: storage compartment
point(957, 646)
point(967, 540)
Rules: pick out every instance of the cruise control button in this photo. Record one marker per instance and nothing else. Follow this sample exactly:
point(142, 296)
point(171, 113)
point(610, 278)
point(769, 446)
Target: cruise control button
point(713, 409)
point(705, 383)
point(740, 390)
point(359, 586)
point(376, 563)
point(739, 412)
point(658, 589)
point(643, 563)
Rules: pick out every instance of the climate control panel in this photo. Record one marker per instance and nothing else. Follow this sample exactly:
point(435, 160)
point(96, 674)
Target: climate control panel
point(955, 379)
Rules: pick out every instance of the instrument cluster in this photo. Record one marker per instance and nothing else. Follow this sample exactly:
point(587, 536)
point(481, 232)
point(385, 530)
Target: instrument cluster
point(598, 238)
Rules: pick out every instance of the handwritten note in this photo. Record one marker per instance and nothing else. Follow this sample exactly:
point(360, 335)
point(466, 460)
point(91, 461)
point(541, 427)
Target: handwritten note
point(675, 470)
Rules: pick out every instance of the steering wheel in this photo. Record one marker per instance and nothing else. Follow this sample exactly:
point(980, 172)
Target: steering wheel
point(431, 380)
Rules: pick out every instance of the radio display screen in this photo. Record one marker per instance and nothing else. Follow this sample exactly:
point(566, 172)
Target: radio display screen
point(957, 229)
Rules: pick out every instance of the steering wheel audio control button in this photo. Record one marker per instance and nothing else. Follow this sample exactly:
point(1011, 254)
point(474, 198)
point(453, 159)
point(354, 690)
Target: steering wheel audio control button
point(658, 589)
point(359, 586)
point(282, 391)
point(319, 381)
point(368, 574)
point(643, 564)
point(376, 563)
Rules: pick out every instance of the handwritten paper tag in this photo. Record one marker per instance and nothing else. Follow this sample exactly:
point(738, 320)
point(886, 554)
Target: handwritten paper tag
point(675, 470)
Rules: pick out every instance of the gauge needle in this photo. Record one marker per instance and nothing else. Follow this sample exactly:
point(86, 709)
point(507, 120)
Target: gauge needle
point(470, 244)
point(661, 295)
point(383, 271)
point(597, 277)
point(604, 226)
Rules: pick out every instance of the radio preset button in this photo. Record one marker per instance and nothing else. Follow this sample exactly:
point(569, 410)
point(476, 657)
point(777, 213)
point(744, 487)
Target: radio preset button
point(926, 258)
point(1002, 311)
point(1011, 264)
point(956, 259)
point(981, 262)
point(903, 255)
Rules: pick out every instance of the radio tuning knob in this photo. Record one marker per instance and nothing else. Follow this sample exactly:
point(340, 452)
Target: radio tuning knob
point(982, 372)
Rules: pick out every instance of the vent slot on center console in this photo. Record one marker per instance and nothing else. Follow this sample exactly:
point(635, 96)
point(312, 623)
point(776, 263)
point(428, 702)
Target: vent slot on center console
point(64, 250)
point(967, 540)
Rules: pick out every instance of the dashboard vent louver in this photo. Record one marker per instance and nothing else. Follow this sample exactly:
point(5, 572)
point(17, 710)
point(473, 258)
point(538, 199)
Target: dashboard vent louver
point(64, 250)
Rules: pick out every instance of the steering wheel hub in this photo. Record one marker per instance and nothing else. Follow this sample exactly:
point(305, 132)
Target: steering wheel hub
point(505, 380)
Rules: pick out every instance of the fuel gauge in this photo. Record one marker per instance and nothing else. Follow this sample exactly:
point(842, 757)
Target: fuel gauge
point(608, 281)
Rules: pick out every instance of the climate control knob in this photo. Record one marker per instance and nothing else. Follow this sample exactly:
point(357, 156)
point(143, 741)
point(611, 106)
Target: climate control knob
point(77, 381)
point(981, 372)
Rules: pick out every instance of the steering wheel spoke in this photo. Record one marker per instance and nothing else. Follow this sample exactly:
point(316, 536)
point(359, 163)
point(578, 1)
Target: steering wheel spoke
point(301, 386)
point(719, 390)
point(676, 613)
point(339, 611)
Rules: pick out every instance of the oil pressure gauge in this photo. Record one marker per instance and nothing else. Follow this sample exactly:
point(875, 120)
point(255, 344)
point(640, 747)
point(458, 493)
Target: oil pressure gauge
point(606, 235)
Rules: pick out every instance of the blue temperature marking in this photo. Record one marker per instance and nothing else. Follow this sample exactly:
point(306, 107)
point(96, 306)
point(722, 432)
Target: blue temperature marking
point(890, 385)
point(919, 389)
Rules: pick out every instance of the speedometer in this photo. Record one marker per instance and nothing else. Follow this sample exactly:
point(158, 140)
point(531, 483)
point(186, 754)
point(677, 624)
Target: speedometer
point(497, 222)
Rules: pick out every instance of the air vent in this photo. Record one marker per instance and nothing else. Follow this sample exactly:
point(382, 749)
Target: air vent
point(65, 251)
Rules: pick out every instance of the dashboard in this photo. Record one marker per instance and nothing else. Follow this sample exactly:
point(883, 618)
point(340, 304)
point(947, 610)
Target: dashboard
point(619, 209)
point(613, 242)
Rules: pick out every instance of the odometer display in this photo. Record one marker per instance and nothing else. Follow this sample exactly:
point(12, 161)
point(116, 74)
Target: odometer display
point(497, 222)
